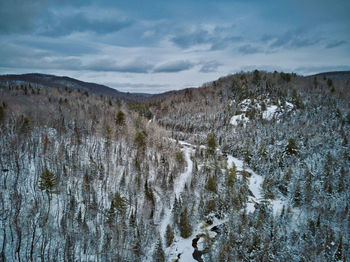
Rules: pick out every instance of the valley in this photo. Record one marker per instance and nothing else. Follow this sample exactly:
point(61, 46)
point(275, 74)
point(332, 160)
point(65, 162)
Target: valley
point(250, 167)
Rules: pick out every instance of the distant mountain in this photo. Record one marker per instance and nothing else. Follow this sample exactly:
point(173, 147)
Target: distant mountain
point(334, 75)
point(43, 80)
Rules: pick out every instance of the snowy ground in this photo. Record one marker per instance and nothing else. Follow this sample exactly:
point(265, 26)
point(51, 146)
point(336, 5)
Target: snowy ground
point(272, 111)
point(183, 247)
point(235, 120)
point(180, 183)
point(255, 182)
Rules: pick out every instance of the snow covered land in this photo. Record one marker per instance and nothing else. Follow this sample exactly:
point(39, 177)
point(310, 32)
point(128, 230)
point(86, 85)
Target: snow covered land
point(252, 167)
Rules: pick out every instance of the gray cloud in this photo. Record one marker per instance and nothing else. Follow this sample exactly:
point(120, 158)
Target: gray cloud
point(189, 39)
point(173, 67)
point(295, 39)
point(336, 44)
point(248, 49)
point(210, 66)
point(134, 66)
point(82, 21)
point(219, 38)
point(17, 16)
point(61, 46)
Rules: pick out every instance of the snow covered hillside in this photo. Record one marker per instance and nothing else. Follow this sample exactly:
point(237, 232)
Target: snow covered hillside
point(252, 167)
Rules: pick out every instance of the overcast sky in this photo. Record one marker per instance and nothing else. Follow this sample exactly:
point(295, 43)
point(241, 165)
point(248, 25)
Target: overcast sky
point(155, 46)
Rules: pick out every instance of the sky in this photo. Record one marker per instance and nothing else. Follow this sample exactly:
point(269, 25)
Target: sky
point(158, 45)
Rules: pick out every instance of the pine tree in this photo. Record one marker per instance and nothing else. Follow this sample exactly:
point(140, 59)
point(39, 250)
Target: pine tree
point(159, 255)
point(211, 142)
point(48, 182)
point(231, 176)
point(185, 227)
point(2, 114)
point(211, 184)
point(292, 148)
point(120, 118)
point(169, 236)
point(339, 252)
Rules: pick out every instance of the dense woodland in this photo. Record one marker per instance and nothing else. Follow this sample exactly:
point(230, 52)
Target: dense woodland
point(87, 177)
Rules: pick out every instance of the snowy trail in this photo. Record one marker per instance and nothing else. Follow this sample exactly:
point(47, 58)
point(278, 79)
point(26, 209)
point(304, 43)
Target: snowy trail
point(179, 186)
point(184, 177)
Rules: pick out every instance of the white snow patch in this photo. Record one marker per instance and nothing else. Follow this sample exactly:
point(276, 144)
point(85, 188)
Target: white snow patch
point(183, 178)
point(184, 246)
point(255, 182)
point(289, 105)
point(277, 205)
point(270, 112)
point(235, 120)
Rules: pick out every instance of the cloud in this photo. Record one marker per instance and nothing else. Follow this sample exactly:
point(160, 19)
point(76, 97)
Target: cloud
point(295, 39)
point(218, 37)
point(109, 65)
point(336, 44)
point(85, 20)
point(17, 16)
point(173, 66)
point(68, 46)
point(210, 66)
point(248, 49)
point(310, 70)
point(188, 39)
point(138, 87)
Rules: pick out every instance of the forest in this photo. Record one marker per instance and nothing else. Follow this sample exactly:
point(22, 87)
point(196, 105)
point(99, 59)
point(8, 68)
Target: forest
point(253, 166)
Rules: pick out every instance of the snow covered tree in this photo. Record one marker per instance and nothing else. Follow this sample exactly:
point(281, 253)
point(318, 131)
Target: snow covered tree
point(159, 255)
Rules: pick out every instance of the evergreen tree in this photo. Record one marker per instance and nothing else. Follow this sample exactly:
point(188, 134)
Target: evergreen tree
point(185, 227)
point(120, 118)
point(211, 142)
point(256, 77)
point(159, 255)
point(211, 184)
point(292, 148)
point(119, 203)
point(169, 236)
point(231, 176)
point(2, 114)
point(339, 252)
point(48, 182)
point(140, 140)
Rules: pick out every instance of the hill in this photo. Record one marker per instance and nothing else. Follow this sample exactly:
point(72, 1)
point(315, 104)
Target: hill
point(42, 80)
point(251, 167)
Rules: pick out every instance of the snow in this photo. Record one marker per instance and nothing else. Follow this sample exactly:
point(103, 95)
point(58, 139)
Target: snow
point(255, 182)
point(183, 178)
point(289, 105)
point(270, 112)
point(277, 206)
point(235, 120)
point(184, 246)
